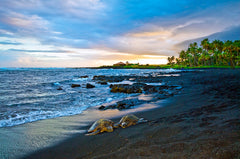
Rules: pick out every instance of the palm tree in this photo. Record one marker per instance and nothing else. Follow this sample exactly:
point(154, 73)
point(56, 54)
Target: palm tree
point(218, 47)
point(229, 48)
point(170, 60)
point(210, 53)
point(193, 51)
point(236, 45)
point(205, 44)
point(183, 57)
point(178, 61)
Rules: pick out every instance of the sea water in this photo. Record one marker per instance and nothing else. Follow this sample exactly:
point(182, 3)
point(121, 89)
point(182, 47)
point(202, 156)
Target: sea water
point(30, 94)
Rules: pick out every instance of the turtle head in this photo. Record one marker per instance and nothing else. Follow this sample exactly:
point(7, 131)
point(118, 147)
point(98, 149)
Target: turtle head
point(109, 129)
point(116, 125)
point(123, 124)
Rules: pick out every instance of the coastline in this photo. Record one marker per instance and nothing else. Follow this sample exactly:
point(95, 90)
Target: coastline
point(200, 122)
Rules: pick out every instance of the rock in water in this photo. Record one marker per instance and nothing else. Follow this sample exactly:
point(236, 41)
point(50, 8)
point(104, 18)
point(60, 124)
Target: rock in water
point(89, 85)
point(75, 85)
point(59, 88)
point(102, 107)
point(103, 82)
point(84, 76)
point(125, 88)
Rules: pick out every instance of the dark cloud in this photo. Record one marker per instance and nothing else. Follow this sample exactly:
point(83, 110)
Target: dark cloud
point(232, 33)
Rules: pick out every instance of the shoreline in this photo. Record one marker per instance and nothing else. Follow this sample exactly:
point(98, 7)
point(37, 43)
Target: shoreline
point(111, 67)
point(33, 136)
point(197, 123)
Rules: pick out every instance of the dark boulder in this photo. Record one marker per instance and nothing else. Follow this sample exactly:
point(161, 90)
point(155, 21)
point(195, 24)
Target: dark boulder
point(84, 76)
point(102, 107)
point(124, 104)
point(103, 82)
point(59, 88)
point(75, 85)
point(109, 78)
point(89, 85)
point(128, 103)
point(125, 88)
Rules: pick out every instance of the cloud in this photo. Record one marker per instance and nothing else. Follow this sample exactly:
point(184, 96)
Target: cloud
point(86, 9)
point(91, 31)
point(5, 33)
point(9, 43)
point(232, 33)
point(160, 37)
point(38, 51)
point(24, 24)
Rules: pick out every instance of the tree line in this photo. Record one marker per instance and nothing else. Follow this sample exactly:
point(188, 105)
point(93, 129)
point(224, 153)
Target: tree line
point(215, 53)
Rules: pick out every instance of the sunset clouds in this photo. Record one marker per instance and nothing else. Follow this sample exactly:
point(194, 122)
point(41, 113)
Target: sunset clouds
point(75, 33)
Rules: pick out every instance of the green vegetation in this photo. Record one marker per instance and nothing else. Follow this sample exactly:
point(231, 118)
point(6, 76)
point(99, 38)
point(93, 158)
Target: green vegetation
point(213, 54)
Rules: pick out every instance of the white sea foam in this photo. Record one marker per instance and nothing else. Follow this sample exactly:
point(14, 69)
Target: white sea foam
point(38, 115)
point(109, 99)
point(79, 79)
point(56, 84)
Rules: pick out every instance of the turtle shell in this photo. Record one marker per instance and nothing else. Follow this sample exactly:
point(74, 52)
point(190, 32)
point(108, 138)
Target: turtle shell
point(128, 120)
point(100, 124)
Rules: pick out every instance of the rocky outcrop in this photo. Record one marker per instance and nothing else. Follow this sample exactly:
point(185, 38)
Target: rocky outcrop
point(103, 82)
point(59, 88)
point(109, 78)
point(155, 92)
point(89, 85)
point(75, 85)
point(126, 88)
point(124, 104)
point(141, 88)
point(148, 78)
point(84, 76)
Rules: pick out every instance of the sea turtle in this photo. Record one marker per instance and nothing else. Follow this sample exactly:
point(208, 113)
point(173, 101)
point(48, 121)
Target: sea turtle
point(100, 126)
point(129, 120)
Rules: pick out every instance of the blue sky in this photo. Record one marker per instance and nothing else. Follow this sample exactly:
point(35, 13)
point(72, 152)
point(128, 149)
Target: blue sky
point(75, 33)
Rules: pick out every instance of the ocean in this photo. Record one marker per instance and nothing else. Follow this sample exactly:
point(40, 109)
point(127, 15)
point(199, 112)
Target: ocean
point(31, 94)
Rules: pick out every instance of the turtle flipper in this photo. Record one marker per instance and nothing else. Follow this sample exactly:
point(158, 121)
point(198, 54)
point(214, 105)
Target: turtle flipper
point(141, 120)
point(93, 133)
point(116, 125)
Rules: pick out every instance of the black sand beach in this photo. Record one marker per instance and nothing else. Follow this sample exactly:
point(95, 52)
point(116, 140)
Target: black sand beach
point(200, 122)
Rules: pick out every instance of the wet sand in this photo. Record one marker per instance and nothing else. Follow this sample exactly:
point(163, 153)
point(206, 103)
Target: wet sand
point(201, 122)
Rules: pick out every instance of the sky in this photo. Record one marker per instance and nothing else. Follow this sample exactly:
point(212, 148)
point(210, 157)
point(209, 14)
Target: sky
point(83, 33)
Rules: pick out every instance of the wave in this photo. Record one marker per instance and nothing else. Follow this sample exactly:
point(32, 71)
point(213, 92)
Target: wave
point(31, 116)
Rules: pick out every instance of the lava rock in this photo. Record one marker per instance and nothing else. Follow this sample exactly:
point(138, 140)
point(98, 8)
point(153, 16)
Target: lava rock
point(102, 107)
point(89, 85)
point(128, 103)
point(59, 88)
point(125, 88)
point(75, 85)
point(84, 76)
point(124, 104)
point(103, 82)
